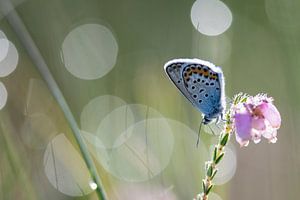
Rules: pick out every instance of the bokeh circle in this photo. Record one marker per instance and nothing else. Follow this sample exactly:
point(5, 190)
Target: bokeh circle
point(211, 17)
point(89, 51)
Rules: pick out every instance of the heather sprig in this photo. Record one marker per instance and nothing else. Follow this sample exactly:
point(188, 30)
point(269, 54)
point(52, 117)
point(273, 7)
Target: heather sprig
point(249, 118)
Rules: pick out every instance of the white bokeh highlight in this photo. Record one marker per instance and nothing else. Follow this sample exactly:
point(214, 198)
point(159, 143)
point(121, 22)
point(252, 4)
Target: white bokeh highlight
point(227, 167)
point(93, 140)
point(65, 168)
point(114, 125)
point(4, 46)
point(3, 95)
point(187, 160)
point(211, 17)
point(143, 155)
point(214, 196)
point(9, 63)
point(123, 134)
point(122, 118)
point(93, 185)
point(89, 51)
point(96, 110)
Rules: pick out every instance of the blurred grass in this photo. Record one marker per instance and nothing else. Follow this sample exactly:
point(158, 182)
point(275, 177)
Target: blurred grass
point(262, 58)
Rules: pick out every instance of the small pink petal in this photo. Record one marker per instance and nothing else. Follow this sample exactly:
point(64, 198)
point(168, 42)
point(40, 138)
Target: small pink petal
point(270, 134)
point(256, 140)
point(243, 143)
point(256, 136)
point(258, 124)
point(271, 114)
point(273, 140)
point(243, 125)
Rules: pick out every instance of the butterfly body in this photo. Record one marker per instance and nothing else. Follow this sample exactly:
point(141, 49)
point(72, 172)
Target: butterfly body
point(202, 83)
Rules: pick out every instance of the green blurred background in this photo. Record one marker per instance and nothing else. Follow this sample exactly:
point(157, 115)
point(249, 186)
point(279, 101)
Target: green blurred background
point(107, 58)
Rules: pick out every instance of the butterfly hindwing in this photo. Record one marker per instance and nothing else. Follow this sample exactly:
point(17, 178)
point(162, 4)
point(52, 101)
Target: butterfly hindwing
point(200, 82)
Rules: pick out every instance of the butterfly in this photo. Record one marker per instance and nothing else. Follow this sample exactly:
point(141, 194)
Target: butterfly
point(202, 83)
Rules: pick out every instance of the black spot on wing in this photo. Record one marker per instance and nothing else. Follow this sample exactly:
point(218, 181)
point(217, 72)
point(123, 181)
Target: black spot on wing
point(176, 76)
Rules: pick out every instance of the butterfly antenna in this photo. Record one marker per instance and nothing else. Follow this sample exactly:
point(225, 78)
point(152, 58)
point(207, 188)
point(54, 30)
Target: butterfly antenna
point(217, 125)
point(211, 130)
point(198, 139)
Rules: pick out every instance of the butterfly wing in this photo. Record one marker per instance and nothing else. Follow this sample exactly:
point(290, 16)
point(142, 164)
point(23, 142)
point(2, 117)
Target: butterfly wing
point(174, 69)
point(201, 82)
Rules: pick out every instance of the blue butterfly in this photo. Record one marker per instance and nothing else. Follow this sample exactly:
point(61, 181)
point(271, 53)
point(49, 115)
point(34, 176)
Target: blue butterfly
point(202, 83)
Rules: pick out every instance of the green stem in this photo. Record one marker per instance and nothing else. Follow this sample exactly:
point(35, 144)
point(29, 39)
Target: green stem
point(32, 50)
point(211, 166)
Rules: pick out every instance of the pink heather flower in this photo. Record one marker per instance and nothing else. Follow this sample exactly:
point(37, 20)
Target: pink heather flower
point(255, 118)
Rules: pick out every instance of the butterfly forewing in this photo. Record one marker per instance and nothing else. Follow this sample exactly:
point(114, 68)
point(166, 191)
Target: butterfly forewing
point(174, 71)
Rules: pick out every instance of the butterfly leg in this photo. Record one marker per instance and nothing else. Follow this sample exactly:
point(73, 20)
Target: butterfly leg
point(198, 139)
point(220, 122)
point(211, 130)
point(217, 125)
point(222, 117)
point(218, 119)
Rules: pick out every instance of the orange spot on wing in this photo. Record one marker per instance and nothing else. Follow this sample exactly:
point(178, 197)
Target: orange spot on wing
point(206, 73)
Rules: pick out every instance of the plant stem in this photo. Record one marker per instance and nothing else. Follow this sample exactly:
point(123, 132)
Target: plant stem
point(217, 156)
point(32, 50)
